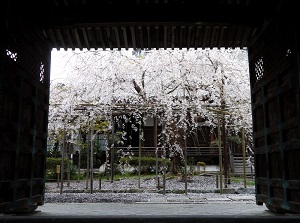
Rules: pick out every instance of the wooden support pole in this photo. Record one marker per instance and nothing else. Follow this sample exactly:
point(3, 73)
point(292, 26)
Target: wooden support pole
point(244, 157)
point(156, 149)
point(140, 148)
point(92, 157)
point(220, 154)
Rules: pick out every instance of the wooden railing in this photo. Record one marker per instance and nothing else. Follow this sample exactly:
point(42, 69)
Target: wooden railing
point(191, 151)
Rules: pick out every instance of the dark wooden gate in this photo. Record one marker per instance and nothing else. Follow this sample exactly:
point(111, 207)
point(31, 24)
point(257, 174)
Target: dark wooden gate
point(274, 69)
point(24, 80)
point(24, 97)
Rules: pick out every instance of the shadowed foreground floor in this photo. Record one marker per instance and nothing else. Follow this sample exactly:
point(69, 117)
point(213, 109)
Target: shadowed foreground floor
point(151, 213)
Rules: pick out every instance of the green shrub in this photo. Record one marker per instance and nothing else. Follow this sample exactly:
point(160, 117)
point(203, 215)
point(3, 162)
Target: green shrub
point(148, 164)
point(51, 164)
point(202, 164)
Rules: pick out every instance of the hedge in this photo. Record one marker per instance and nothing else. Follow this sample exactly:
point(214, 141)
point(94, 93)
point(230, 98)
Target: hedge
point(51, 164)
point(148, 164)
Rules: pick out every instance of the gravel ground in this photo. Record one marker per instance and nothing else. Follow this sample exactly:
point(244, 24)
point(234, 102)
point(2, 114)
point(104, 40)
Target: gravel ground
point(127, 190)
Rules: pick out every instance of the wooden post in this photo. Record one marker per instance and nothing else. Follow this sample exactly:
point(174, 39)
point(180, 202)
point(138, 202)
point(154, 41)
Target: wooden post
point(156, 149)
point(68, 165)
point(244, 157)
point(112, 152)
point(57, 172)
point(225, 149)
point(87, 165)
point(164, 157)
point(140, 147)
point(220, 153)
point(79, 154)
point(92, 156)
point(185, 163)
point(62, 163)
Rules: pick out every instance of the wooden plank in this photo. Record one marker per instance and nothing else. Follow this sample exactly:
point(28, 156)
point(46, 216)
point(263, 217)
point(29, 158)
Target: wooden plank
point(91, 36)
point(197, 37)
point(181, 37)
point(117, 37)
point(87, 44)
point(214, 36)
point(53, 38)
point(100, 37)
point(109, 37)
point(173, 37)
point(165, 37)
point(61, 38)
point(157, 37)
point(125, 37)
point(140, 28)
point(206, 37)
point(133, 37)
point(149, 37)
point(75, 32)
point(69, 37)
point(189, 36)
point(221, 37)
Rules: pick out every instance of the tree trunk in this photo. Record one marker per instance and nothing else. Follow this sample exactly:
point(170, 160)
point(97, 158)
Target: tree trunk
point(177, 141)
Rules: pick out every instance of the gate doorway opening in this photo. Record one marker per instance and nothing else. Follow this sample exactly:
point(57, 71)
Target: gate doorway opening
point(130, 88)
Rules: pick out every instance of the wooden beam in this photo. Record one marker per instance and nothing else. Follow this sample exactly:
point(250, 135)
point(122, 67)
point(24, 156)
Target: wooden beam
point(109, 38)
point(173, 37)
point(91, 36)
point(125, 37)
point(140, 28)
point(245, 38)
point(117, 37)
point(182, 30)
point(222, 13)
point(230, 37)
point(213, 36)
point(157, 37)
point(201, 36)
point(221, 37)
point(85, 38)
point(149, 37)
point(238, 36)
point(165, 37)
point(70, 38)
point(133, 37)
point(61, 38)
point(75, 32)
point(189, 36)
point(206, 37)
point(100, 37)
point(53, 38)
point(197, 37)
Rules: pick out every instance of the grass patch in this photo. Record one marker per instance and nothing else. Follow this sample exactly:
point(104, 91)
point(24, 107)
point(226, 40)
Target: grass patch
point(250, 182)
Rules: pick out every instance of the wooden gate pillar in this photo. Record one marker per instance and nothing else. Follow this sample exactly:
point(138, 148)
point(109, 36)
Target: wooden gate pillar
point(274, 74)
point(24, 97)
